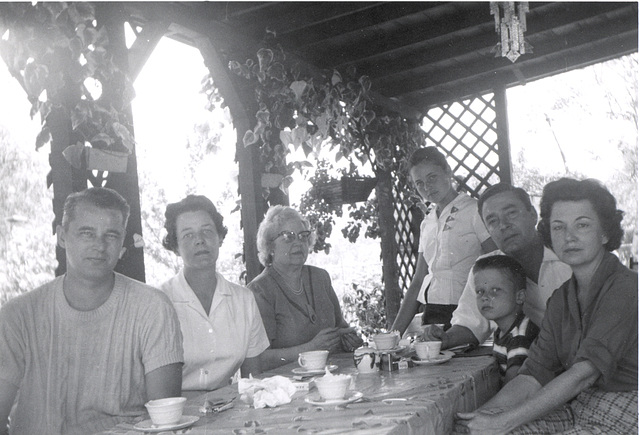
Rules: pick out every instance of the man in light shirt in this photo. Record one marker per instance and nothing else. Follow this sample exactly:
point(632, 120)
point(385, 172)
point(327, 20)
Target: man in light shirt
point(85, 351)
point(511, 219)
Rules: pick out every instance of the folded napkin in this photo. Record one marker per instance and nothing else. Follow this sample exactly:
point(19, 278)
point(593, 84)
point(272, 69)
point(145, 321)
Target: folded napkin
point(271, 392)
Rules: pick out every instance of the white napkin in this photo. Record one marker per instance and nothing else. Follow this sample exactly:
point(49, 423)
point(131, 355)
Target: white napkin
point(271, 392)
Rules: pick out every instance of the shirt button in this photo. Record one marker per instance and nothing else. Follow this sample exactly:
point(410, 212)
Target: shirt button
point(210, 331)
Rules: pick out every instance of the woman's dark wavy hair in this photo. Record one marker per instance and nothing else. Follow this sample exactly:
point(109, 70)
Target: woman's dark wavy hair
point(603, 202)
point(190, 203)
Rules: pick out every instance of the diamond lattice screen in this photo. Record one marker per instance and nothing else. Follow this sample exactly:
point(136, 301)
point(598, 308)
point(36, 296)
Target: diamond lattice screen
point(466, 132)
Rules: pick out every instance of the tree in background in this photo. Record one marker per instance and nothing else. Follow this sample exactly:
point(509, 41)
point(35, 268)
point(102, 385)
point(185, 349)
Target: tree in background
point(27, 244)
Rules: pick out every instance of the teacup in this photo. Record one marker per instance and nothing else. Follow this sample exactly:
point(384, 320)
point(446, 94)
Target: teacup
point(365, 359)
point(427, 350)
point(333, 387)
point(386, 340)
point(165, 411)
point(313, 360)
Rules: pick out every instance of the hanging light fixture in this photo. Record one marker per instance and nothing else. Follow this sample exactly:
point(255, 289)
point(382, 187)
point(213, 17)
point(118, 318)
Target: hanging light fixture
point(511, 23)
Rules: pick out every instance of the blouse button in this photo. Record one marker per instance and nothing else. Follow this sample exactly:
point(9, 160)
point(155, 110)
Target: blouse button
point(210, 331)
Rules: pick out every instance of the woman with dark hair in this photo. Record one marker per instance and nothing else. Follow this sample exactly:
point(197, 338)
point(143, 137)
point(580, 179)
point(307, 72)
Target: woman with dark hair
point(452, 236)
point(581, 375)
point(299, 308)
point(220, 321)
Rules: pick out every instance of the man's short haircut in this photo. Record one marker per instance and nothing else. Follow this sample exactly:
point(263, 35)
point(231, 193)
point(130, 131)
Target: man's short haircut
point(428, 155)
point(100, 197)
point(602, 201)
point(190, 203)
point(496, 189)
point(507, 265)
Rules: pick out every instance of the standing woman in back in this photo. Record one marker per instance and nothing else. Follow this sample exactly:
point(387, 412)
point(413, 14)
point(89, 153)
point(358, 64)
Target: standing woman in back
point(452, 236)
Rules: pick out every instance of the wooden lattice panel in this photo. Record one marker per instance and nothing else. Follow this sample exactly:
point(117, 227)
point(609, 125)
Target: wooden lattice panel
point(465, 132)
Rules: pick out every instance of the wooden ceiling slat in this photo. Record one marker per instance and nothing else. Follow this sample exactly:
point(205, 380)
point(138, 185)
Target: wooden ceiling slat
point(454, 46)
point(534, 69)
point(431, 75)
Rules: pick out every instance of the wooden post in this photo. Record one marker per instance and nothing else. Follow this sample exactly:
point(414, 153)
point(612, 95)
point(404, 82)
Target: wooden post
point(502, 123)
point(241, 102)
point(112, 16)
point(392, 292)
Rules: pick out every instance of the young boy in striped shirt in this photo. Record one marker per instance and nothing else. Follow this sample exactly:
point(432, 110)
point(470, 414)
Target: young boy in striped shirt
point(500, 283)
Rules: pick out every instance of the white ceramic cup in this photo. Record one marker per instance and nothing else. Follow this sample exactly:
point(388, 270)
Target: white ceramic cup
point(165, 411)
point(333, 387)
point(433, 348)
point(313, 360)
point(422, 349)
point(386, 340)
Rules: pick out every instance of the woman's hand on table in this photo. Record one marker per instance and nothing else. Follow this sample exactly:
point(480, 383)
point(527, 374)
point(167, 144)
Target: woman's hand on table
point(328, 339)
point(481, 422)
point(435, 333)
point(350, 339)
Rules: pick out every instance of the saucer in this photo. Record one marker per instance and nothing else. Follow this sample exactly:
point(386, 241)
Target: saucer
point(148, 426)
point(303, 371)
point(317, 400)
point(392, 350)
point(444, 356)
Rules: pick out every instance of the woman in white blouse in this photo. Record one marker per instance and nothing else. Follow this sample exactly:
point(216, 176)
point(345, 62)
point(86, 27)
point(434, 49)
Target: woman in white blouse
point(220, 321)
point(452, 236)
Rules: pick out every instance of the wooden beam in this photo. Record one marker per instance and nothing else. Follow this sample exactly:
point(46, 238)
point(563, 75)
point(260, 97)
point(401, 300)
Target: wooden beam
point(504, 146)
point(448, 43)
point(249, 178)
point(144, 45)
point(112, 17)
point(534, 69)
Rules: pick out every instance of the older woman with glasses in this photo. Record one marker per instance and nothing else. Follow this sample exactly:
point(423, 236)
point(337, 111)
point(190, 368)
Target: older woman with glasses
point(300, 310)
point(220, 321)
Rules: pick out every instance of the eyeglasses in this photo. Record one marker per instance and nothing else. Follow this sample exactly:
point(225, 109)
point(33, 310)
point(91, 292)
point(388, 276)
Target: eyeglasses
point(490, 293)
point(290, 236)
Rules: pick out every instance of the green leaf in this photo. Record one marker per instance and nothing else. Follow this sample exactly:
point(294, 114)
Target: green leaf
point(43, 138)
point(298, 88)
point(73, 155)
point(336, 78)
point(123, 133)
point(249, 138)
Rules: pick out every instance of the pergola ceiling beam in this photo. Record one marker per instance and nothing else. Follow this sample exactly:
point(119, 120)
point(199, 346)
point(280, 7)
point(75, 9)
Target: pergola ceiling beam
point(232, 41)
point(534, 69)
point(423, 79)
point(144, 45)
point(441, 49)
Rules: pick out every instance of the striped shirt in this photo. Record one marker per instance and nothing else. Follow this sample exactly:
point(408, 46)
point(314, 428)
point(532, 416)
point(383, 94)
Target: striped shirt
point(512, 349)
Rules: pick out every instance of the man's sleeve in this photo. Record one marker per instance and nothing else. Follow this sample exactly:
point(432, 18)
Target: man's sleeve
point(162, 338)
point(467, 313)
point(12, 345)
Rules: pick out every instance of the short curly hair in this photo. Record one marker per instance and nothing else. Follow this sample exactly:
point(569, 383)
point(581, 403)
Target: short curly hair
point(271, 226)
point(190, 203)
point(603, 202)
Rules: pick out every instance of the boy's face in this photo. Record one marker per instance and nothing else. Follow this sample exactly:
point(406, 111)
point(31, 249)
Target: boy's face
point(495, 294)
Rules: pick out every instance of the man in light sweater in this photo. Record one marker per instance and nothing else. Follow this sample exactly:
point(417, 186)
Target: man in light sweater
point(511, 219)
point(88, 349)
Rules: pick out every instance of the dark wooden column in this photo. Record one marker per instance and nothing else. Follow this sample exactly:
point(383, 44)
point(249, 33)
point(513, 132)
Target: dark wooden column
point(387, 223)
point(112, 16)
point(241, 102)
point(504, 146)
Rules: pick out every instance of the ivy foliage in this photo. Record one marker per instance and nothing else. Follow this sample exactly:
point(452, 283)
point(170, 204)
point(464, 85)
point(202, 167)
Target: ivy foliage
point(330, 111)
point(59, 55)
